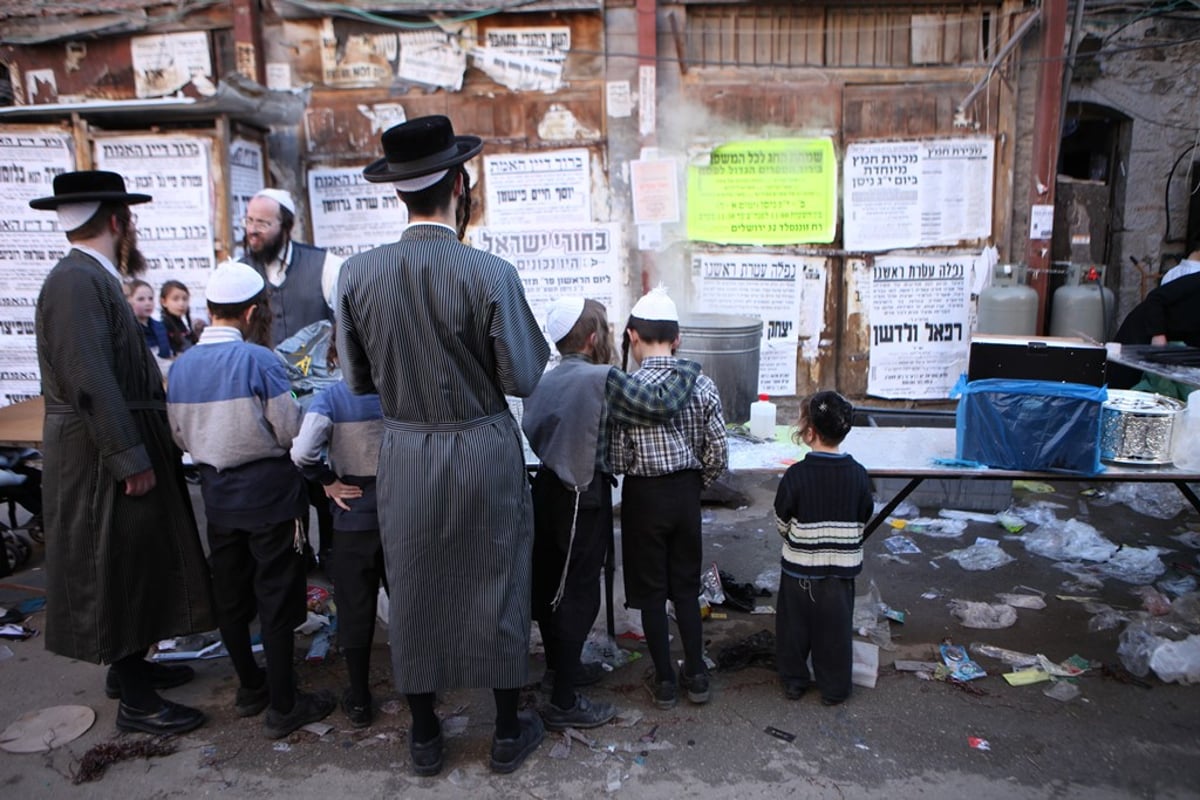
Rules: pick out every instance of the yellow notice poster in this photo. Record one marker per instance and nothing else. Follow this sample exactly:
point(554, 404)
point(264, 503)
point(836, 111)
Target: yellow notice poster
point(776, 191)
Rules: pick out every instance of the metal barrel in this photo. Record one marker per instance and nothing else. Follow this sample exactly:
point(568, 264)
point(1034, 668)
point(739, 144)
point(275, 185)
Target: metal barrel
point(727, 347)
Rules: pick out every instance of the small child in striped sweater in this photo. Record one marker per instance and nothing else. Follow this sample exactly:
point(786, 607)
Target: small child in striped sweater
point(821, 506)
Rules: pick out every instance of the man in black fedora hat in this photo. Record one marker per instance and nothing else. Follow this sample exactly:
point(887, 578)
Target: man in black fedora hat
point(442, 332)
point(124, 565)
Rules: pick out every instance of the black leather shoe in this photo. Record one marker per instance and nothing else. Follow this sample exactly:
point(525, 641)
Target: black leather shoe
point(172, 718)
point(162, 676)
point(305, 709)
point(359, 714)
point(251, 702)
point(427, 757)
point(508, 754)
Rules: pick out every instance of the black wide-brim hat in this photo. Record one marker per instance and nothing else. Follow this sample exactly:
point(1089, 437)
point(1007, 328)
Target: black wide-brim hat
point(419, 147)
point(88, 186)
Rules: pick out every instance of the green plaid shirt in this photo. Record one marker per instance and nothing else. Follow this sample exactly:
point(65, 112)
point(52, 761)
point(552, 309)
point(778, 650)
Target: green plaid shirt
point(638, 403)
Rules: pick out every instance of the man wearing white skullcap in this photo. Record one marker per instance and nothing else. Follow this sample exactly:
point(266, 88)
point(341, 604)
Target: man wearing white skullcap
point(666, 468)
point(302, 278)
point(566, 420)
point(301, 289)
point(231, 406)
point(124, 565)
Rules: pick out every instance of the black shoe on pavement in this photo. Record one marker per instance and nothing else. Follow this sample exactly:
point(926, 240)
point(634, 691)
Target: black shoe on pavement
point(427, 757)
point(508, 754)
point(794, 690)
point(359, 714)
point(663, 693)
point(307, 708)
point(172, 718)
point(162, 676)
point(252, 702)
point(696, 687)
point(584, 714)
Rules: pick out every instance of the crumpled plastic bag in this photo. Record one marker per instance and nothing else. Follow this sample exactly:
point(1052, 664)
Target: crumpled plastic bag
point(1177, 662)
point(985, 554)
point(768, 580)
point(983, 615)
point(1069, 540)
point(1158, 500)
point(868, 618)
point(1142, 637)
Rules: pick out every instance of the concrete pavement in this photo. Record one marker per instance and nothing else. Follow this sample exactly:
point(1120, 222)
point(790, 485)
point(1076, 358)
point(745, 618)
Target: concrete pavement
point(905, 737)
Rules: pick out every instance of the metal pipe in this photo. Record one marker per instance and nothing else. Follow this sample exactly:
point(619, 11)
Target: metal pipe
point(1007, 48)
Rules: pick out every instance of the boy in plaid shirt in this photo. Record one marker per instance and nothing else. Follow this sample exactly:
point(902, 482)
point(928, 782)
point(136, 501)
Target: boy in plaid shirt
point(666, 467)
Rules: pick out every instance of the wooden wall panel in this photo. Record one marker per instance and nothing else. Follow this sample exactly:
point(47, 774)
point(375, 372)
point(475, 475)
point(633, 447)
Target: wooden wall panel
point(901, 111)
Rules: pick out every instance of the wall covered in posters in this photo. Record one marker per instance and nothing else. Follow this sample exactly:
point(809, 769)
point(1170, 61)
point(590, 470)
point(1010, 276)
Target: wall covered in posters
point(786, 292)
point(553, 187)
point(351, 214)
point(246, 170)
point(563, 261)
point(769, 192)
point(918, 193)
point(31, 245)
point(175, 229)
point(919, 315)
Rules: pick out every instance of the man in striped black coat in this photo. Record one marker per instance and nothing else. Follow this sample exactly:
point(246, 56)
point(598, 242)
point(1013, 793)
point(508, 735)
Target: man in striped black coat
point(442, 332)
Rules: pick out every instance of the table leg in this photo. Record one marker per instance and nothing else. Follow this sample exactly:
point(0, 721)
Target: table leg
point(891, 506)
point(1189, 494)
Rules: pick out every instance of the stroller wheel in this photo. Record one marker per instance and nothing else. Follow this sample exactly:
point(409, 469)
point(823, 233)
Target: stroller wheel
point(18, 551)
point(34, 529)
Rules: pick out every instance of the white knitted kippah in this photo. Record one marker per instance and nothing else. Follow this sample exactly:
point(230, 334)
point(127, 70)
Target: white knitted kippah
point(562, 316)
point(656, 305)
point(233, 282)
point(279, 196)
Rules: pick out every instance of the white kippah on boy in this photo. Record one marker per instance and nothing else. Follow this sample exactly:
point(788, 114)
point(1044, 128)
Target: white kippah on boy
point(656, 304)
point(233, 282)
point(562, 316)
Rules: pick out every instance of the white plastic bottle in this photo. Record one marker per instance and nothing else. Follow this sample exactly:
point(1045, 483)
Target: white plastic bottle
point(762, 418)
point(1185, 438)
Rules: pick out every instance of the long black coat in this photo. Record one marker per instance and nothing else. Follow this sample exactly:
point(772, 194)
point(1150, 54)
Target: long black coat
point(122, 572)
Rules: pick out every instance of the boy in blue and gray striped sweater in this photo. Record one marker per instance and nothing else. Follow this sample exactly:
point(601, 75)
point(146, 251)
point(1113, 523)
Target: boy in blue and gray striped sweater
point(338, 447)
point(821, 506)
point(230, 405)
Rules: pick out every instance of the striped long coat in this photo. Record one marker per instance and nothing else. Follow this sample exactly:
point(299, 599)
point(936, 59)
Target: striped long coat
point(442, 332)
point(122, 572)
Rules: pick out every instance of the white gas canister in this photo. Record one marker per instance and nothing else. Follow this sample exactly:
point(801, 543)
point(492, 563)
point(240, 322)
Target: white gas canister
point(762, 418)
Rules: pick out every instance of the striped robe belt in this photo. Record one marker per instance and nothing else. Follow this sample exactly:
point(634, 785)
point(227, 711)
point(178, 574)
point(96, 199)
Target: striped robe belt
point(132, 405)
point(456, 426)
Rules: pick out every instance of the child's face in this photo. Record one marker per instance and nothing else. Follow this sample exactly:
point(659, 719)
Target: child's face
point(176, 302)
point(142, 303)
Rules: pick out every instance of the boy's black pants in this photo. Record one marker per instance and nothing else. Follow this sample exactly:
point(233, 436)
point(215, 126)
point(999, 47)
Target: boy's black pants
point(815, 617)
point(257, 570)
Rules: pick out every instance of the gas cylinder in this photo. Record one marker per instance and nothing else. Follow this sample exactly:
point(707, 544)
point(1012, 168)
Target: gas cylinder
point(1008, 306)
point(1083, 306)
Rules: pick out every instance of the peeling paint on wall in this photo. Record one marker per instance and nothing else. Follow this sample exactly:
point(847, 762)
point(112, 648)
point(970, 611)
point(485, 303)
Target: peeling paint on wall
point(383, 115)
point(558, 124)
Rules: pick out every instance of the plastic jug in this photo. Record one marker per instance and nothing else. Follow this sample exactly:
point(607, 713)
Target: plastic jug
point(1185, 439)
point(762, 418)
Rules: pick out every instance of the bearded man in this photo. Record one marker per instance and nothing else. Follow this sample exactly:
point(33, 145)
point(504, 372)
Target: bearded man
point(124, 565)
point(301, 279)
point(301, 288)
